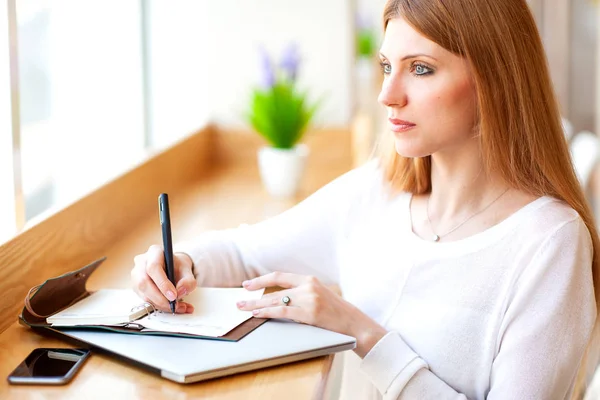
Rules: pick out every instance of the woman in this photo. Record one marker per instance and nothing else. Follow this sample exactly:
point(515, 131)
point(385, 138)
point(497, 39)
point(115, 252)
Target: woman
point(467, 257)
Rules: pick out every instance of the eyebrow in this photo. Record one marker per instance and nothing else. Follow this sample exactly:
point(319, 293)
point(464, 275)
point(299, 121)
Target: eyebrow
point(409, 56)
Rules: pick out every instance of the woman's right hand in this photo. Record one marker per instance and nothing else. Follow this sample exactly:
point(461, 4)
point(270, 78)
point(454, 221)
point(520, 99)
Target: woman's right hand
point(150, 280)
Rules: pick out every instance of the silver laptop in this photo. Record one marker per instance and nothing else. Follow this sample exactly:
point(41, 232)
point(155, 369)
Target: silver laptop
point(187, 360)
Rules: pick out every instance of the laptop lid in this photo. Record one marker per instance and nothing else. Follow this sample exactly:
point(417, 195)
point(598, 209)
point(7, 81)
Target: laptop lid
point(187, 360)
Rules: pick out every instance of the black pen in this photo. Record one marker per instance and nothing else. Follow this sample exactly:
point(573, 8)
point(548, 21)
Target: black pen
point(165, 223)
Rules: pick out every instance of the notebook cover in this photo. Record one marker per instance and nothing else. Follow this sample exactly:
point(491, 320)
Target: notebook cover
point(58, 293)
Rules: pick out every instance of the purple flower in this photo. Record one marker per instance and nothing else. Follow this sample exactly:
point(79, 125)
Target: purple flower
point(290, 61)
point(363, 22)
point(268, 73)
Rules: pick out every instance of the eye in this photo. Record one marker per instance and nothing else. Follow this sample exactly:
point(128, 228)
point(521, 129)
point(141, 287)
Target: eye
point(421, 70)
point(385, 68)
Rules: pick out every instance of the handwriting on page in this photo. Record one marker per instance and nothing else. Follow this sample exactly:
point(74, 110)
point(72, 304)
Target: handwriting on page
point(181, 320)
point(215, 313)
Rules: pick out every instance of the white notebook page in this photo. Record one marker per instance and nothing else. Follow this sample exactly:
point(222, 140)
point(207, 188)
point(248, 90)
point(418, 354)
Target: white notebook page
point(106, 306)
point(215, 313)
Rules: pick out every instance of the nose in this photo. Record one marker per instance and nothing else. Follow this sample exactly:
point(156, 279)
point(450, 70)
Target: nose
point(393, 93)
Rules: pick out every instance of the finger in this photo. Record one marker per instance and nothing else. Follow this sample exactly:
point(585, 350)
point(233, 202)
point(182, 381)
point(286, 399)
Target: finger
point(186, 281)
point(155, 268)
point(268, 300)
point(147, 290)
point(150, 293)
point(183, 308)
point(189, 308)
point(293, 313)
point(144, 286)
point(139, 261)
point(139, 266)
point(283, 279)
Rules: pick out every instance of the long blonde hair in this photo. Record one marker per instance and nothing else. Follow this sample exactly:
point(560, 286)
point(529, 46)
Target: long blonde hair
point(519, 123)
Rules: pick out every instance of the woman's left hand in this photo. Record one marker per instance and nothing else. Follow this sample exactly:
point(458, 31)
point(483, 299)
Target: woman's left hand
point(312, 303)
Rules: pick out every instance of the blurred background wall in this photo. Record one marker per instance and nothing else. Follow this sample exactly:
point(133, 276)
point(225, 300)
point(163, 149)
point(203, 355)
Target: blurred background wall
point(209, 50)
point(583, 74)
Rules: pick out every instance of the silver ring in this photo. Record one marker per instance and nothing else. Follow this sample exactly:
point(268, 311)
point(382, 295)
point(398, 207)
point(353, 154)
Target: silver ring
point(286, 300)
point(148, 306)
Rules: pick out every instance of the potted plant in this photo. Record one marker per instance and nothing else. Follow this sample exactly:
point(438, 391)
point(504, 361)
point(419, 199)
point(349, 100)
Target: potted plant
point(280, 112)
point(365, 39)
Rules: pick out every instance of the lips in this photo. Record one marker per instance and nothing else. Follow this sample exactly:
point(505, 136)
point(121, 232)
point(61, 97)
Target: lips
point(399, 125)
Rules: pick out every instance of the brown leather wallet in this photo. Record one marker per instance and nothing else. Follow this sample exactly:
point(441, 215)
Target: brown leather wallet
point(58, 293)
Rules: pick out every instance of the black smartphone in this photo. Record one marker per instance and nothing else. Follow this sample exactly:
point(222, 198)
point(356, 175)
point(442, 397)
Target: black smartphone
point(45, 366)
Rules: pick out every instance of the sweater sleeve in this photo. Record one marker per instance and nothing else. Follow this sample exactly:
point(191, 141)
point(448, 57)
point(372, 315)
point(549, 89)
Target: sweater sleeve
point(300, 240)
point(542, 337)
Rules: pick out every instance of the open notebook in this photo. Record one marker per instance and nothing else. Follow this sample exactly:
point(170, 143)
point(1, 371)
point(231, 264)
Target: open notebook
point(215, 312)
point(63, 303)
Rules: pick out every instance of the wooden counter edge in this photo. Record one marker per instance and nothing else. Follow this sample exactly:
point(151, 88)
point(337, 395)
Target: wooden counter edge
point(321, 389)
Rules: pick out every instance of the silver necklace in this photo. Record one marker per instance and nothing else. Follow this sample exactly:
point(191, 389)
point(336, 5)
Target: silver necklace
point(436, 237)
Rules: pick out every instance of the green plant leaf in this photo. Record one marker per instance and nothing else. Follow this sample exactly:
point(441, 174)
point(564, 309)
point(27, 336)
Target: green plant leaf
point(365, 43)
point(281, 113)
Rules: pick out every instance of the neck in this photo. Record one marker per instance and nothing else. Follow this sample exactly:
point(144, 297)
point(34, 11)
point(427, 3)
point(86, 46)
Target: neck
point(460, 186)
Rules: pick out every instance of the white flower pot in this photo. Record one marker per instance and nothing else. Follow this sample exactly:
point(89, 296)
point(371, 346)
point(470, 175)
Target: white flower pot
point(281, 170)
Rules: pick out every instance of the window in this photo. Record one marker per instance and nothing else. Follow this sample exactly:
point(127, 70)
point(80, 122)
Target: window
point(81, 96)
point(8, 222)
point(95, 86)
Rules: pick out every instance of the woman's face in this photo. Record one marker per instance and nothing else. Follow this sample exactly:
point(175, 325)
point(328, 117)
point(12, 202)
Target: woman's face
point(428, 92)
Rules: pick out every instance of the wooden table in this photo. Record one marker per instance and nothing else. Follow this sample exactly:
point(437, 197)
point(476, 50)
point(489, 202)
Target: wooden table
point(226, 198)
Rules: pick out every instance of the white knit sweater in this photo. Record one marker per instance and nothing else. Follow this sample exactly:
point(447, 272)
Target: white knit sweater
point(503, 314)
